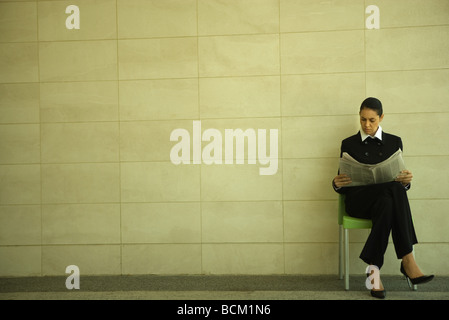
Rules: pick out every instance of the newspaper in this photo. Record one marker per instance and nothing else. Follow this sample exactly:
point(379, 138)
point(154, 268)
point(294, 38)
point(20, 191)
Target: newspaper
point(364, 174)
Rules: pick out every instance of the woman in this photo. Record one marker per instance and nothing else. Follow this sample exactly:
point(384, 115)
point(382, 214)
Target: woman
point(386, 204)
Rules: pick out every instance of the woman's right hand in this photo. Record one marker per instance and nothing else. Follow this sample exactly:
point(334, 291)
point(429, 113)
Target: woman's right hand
point(342, 180)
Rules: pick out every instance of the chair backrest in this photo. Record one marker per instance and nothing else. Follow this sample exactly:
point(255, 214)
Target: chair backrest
point(341, 208)
point(346, 220)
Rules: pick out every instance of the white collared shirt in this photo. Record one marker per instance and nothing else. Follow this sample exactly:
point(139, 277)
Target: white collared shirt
point(377, 135)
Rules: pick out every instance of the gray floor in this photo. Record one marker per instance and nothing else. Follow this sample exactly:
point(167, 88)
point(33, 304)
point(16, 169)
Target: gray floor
point(214, 287)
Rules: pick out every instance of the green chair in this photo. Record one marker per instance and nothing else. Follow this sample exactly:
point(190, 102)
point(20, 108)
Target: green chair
point(347, 222)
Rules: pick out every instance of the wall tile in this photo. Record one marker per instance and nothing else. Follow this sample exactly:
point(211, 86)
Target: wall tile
point(153, 18)
point(309, 179)
point(240, 97)
point(231, 222)
point(159, 182)
point(78, 60)
point(407, 48)
point(161, 222)
point(90, 259)
point(237, 17)
point(79, 224)
point(248, 127)
point(163, 259)
point(415, 142)
point(159, 99)
point(80, 183)
point(238, 55)
point(149, 140)
point(20, 225)
point(312, 222)
point(428, 256)
point(19, 62)
point(410, 91)
point(243, 258)
point(21, 184)
point(158, 58)
point(318, 258)
point(79, 101)
point(20, 143)
point(430, 220)
point(320, 136)
point(18, 22)
point(324, 52)
point(407, 13)
point(239, 182)
point(19, 103)
point(20, 261)
point(429, 177)
point(310, 15)
point(97, 20)
point(322, 94)
point(80, 142)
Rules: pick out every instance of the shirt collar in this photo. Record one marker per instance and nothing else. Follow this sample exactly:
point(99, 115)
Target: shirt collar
point(378, 134)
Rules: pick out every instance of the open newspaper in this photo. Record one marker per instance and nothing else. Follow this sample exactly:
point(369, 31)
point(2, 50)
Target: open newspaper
point(364, 174)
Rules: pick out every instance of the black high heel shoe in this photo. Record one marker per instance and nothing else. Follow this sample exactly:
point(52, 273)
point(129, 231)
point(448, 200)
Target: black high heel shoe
point(379, 294)
point(414, 281)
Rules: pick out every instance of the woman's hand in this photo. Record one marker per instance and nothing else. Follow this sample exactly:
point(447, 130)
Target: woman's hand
point(342, 180)
point(405, 177)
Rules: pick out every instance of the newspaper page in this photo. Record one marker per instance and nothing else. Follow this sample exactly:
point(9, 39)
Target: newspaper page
point(364, 174)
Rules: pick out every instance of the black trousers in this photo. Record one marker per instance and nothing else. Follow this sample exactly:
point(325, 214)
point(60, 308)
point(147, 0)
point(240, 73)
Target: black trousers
point(388, 207)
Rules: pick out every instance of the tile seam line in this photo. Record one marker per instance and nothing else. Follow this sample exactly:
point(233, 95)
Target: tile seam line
point(278, 33)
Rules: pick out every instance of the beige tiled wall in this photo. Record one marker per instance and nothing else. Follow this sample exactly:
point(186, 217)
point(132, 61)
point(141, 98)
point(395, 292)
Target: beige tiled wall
point(86, 117)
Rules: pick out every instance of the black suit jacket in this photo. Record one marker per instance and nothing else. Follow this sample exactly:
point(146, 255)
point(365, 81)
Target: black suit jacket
point(370, 151)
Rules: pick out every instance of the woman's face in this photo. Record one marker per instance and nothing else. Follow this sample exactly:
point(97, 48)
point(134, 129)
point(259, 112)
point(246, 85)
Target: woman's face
point(369, 121)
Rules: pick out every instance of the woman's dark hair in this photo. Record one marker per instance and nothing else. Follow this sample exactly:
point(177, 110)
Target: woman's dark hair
point(373, 104)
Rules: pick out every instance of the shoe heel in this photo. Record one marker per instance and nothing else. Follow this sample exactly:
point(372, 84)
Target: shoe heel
point(412, 286)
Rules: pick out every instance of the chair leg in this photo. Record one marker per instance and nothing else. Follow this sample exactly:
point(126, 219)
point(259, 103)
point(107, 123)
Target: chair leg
point(340, 253)
point(346, 259)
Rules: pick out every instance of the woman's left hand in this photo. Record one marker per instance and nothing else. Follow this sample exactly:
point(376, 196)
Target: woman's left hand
point(405, 177)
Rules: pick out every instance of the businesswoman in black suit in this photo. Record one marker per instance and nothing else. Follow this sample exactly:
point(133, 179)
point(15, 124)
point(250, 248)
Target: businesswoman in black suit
point(386, 204)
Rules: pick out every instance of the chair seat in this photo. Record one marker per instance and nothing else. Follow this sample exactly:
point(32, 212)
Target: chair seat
point(356, 223)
